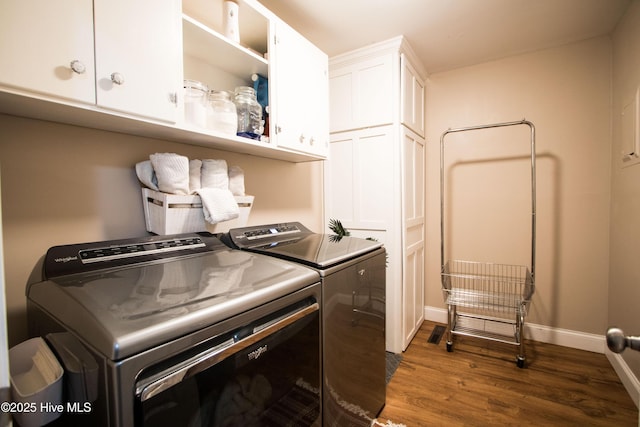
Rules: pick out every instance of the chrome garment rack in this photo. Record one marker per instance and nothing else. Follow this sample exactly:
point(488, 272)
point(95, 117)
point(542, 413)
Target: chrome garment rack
point(478, 293)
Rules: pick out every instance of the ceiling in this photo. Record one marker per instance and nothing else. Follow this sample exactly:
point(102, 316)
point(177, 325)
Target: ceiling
point(448, 34)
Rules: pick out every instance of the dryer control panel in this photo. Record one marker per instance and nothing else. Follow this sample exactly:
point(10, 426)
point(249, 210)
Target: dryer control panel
point(263, 234)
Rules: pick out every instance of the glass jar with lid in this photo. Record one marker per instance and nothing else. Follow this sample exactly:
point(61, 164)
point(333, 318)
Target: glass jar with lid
point(249, 112)
point(195, 103)
point(221, 112)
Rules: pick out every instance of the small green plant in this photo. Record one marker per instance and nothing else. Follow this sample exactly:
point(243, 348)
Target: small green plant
point(340, 231)
point(336, 226)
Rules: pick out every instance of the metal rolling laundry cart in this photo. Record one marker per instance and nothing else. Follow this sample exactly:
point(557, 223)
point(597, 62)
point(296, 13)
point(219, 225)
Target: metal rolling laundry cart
point(479, 293)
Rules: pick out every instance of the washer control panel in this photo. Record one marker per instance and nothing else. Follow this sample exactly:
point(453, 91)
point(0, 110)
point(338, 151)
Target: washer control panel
point(83, 257)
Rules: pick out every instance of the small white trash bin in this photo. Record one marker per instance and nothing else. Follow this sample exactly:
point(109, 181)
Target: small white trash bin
point(36, 383)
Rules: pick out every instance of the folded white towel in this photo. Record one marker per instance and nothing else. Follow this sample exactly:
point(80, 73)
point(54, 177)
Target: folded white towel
point(214, 174)
point(147, 175)
point(195, 167)
point(172, 171)
point(236, 180)
point(218, 205)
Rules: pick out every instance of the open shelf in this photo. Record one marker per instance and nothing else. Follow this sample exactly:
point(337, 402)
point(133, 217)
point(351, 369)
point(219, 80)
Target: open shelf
point(208, 45)
point(55, 110)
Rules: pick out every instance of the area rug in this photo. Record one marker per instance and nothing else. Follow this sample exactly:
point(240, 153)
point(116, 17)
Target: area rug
point(392, 360)
point(342, 413)
point(376, 423)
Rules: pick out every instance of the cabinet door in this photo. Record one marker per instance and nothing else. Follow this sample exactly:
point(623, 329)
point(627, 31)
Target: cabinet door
point(299, 83)
point(358, 181)
point(413, 232)
point(362, 94)
point(40, 40)
point(138, 56)
point(412, 97)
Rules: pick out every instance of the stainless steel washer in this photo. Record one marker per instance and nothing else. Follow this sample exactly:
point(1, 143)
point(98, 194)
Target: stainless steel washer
point(180, 330)
point(353, 312)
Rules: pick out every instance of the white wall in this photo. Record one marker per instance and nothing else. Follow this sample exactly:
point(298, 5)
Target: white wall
point(565, 92)
point(65, 184)
point(624, 276)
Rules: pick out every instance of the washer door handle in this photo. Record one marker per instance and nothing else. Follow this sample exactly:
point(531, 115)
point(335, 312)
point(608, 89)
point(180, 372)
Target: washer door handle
point(164, 380)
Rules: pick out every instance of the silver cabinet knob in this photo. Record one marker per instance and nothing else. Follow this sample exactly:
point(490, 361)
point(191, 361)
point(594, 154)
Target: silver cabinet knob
point(302, 138)
point(77, 67)
point(117, 78)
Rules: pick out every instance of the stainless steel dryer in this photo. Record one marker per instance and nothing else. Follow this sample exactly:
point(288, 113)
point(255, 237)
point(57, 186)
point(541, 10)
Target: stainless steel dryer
point(353, 312)
point(180, 330)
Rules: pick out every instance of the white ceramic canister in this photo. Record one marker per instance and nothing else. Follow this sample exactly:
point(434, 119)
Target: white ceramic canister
point(231, 20)
point(195, 103)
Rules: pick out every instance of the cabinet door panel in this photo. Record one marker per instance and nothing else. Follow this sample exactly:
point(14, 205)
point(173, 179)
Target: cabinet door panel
point(374, 188)
point(300, 105)
point(139, 41)
point(362, 94)
point(413, 221)
point(359, 191)
point(340, 198)
point(39, 41)
point(413, 175)
point(341, 102)
point(413, 293)
point(412, 97)
point(374, 98)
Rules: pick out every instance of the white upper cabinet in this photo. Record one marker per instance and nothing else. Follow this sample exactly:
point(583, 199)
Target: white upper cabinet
point(361, 94)
point(364, 93)
point(51, 48)
point(41, 47)
point(299, 82)
point(138, 56)
point(119, 65)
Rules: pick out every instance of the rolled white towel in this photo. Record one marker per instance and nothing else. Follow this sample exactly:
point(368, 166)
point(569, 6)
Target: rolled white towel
point(147, 175)
point(172, 171)
point(236, 180)
point(218, 205)
point(215, 174)
point(195, 169)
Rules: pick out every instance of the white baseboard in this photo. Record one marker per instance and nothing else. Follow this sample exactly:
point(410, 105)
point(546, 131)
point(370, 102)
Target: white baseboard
point(625, 374)
point(564, 337)
point(567, 338)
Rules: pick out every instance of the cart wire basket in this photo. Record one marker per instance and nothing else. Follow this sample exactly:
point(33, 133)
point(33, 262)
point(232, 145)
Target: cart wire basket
point(488, 300)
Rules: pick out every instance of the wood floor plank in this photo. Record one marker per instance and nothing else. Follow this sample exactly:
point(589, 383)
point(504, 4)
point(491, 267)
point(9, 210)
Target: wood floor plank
point(479, 384)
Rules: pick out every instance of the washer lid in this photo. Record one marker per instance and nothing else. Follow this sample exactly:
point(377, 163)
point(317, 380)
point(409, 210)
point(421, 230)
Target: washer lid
point(318, 250)
point(123, 311)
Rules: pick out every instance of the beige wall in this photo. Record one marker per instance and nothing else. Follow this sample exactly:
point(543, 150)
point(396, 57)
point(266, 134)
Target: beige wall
point(565, 92)
point(624, 277)
point(65, 184)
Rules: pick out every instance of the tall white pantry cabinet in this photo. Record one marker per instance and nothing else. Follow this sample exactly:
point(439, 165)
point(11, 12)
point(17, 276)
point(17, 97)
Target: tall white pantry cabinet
point(374, 177)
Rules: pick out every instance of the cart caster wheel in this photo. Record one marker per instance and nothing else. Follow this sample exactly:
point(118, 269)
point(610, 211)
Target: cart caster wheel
point(520, 362)
point(449, 347)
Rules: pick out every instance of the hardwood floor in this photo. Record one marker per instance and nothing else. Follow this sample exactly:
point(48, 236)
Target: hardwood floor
point(479, 384)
